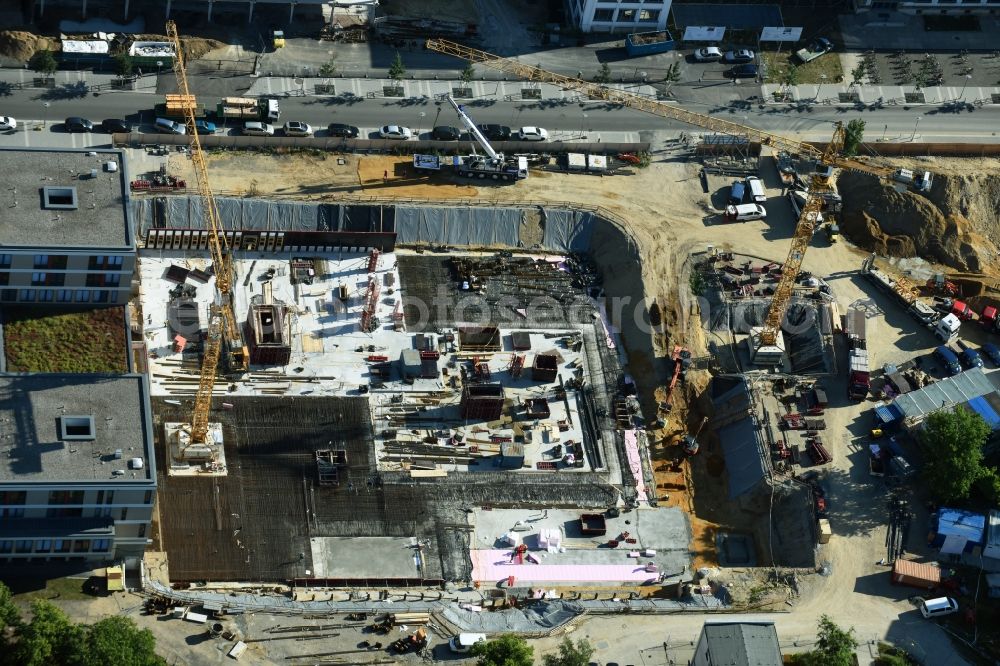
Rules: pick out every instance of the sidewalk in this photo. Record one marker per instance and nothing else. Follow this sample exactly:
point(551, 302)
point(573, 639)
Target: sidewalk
point(69, 83)
point(890, 95)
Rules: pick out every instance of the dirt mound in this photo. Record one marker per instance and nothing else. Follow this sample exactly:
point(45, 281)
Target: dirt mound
point(936, 227)
point(21, 45)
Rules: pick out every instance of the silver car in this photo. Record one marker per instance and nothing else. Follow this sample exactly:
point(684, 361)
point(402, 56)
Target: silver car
point(254, 128)
point(297, 128)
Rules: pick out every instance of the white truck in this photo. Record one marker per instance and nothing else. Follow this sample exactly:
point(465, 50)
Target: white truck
point(493, 165)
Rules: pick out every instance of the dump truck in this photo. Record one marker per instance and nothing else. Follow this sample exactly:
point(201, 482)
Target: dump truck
point(246, 108)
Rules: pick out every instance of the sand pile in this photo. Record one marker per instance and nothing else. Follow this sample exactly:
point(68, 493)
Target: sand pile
point(21, 45)
point(955, 225)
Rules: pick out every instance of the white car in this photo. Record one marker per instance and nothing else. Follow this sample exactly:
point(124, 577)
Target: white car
point(708, 54)
point(254, 128)
point(7, 124)
point(532, 134)
point(395, 132)
point(296, 128)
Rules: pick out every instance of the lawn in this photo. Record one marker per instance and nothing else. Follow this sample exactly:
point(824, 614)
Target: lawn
point(777, 63)
point(63, 589)
point(40, 340)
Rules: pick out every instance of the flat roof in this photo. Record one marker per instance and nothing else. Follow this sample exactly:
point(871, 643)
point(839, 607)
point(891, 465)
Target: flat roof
point(97, 219)
point(948, 392)
point(32, 409)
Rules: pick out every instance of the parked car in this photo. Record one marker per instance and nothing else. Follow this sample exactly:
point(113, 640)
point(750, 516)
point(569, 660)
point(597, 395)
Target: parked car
point(495, 132)
point(113, 125)
point(255, 128)
point(931, 608)
point(532, 134)
point(396, 132)
point(342, 130)
point(739, 56)
point(7, 123)
point(78, 124)
point(743, 72)
point(446, 133)
point(707, 54)
point(992, 352)
point(167, 126)
point(297, 128)
point(970, 358)
point(204, 127)
point(464, 642)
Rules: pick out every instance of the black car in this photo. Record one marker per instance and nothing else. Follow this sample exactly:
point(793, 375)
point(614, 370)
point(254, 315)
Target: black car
point(743, 72)
point(342, 130)
point(113, 125)
point(76, 124)
point(446, 133)
point(495, 132)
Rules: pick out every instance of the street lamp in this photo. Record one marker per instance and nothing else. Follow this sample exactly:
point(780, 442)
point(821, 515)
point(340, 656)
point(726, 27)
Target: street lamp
point(968, 77)
point(45, 118)
point(583, 121)
point(822, 80)
point(159, 66)
point(417, 129)
point(914, 135)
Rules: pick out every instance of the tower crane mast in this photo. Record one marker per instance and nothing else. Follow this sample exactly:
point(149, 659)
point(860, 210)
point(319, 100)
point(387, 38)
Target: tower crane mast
point(222, 327)
point(807, 217)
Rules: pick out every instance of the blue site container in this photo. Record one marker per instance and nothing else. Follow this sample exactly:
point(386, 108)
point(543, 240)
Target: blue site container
point(648, 43)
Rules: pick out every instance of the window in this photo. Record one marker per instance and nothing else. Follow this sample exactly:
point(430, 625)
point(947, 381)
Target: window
point(64, 295)
point(604, 14)
point(104, 279)
point(4, 278)
point(8, 295)
point(64, 512)
point(82, 296)
point(13, 497)
point(23, 545)
point(81, 546)
point(26, 296)
point(148, 497)
point(103, 513)
point(62, 545)
point(142, 530)
point(101, 296)
point(101, 545)
point(11, 513)
point(100, 497)
point(5, 260)
point(48, 279)
point(104, 262)
point(41, 261)
point(111, 497)
point(124, 514)
point(44, 295)
point(38, 278)
point(59, 198)
point(65, 496)
point(43, 545)
point(6, 546)
point(76, 427)
point(649, 15)
point(626, 15)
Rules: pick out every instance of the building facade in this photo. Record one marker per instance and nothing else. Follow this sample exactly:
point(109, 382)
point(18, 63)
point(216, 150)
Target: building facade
point(65, 231)
point(78, 478)
point(931, 6)
point(622, 16)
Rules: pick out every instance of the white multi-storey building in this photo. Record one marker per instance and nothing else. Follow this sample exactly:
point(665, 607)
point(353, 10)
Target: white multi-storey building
point(620, 16)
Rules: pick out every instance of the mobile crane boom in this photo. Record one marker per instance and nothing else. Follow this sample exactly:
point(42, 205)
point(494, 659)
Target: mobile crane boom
point(474, 131)
point(222, 321)
point(814, 202)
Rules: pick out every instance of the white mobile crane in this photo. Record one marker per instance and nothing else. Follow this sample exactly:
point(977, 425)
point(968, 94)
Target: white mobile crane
point(493, 165)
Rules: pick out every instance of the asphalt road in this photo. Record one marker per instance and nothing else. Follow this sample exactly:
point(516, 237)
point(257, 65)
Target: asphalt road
point(891, 122)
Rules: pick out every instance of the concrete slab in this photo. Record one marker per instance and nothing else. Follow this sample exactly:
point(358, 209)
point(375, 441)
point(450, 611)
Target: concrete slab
point(365, 557)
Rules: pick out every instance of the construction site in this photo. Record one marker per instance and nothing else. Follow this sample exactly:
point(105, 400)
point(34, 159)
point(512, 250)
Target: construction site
point(553, 390)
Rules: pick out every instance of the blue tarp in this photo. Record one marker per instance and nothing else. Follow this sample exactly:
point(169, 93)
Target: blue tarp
point(957, 522)
point(887, 413)
point(984, 409)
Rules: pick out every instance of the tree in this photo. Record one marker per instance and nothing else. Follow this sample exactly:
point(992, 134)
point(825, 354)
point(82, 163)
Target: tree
point(397, 70)
point(603, 74)
point(570, 654)
point(49, 638)
point(953, 442)
point(9, 613)
point(857, 74)
point(328, 68)
point(124, 64)
point(791, 76)
point(834, 646)
point(507, 650)
point(116, 640)
point(853, 136)
point(468, 73)
point(43, 62)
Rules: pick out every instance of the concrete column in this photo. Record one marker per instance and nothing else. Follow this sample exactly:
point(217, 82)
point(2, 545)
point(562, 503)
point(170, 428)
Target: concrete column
point(169, 2)
point(250, 13)
point(125, 18)
point(84, 9)
point(211, 3)
point(291, 13)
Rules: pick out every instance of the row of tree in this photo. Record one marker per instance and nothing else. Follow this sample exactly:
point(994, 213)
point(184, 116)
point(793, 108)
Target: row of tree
point(50, 638)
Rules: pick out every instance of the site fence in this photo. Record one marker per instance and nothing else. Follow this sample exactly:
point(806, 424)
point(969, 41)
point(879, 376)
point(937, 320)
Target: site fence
point(209, 141)
point(887, 149)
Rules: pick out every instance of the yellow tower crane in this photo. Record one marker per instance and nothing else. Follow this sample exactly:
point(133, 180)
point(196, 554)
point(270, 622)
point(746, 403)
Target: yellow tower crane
point(222, 327)
point(814, 202)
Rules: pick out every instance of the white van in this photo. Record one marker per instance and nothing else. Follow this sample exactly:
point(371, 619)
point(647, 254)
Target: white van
point(745, 212)
point(464, 642)
point(931, 608)
point(756, 188)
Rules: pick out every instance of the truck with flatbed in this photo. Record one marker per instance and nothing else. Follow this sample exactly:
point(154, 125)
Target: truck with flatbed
point(247, 108)
point(859, 373)
point(816, 48)
point(944, 328)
